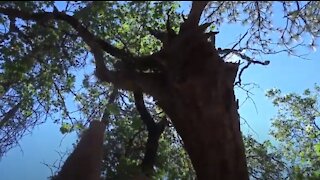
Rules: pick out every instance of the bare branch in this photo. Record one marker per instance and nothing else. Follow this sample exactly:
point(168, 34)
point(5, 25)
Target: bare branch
point(240, 73)
point(10, 114)
point(196, 11)
point(243, 56)
point(216, 10)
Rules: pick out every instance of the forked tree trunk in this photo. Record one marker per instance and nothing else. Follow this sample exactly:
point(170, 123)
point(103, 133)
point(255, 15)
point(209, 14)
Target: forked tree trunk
point(199, 98)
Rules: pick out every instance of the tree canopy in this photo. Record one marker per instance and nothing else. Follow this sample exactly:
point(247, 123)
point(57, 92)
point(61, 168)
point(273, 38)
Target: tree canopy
point(49, 62)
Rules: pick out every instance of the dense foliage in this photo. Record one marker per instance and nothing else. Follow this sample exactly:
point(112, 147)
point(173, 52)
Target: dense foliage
point(46, 73)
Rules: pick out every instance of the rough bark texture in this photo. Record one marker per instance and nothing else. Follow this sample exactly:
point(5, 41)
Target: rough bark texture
point(85, 161)
point(205, 115)
point(203, 110)
point(199, 98)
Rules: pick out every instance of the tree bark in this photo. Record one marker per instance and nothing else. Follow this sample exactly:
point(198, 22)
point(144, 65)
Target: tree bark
point(206, 118)
point(204, 112)
point(85, 161)
point(199, 98)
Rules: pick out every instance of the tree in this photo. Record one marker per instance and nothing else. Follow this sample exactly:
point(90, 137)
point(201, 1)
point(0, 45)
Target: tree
point(294, 151)
point(173, 62)
point(84, 162)
point(296, 127)
point(264, 161)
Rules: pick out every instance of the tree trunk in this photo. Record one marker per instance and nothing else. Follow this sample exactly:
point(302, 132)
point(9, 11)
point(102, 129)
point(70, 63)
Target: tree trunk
point(204, 112)
point(198, 96)
point(84, 163)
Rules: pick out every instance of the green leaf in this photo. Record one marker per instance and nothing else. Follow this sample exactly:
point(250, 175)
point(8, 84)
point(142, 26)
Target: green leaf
point(79, 126)
point(65, 128)
point(136, 123)
point(212, 28)
point(317, 149)
point(113, 109)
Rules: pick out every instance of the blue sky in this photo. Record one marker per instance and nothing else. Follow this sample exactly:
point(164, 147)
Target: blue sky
point(290, 74)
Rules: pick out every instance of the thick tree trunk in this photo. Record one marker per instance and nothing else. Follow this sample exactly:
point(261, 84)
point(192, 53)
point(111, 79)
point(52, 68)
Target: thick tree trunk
point(85, 161)
point(199, 98)
point(204, 112)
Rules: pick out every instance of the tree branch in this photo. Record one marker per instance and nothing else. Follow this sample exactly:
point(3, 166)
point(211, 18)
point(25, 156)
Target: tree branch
point(216, 9)
point(143, 111)
point(10, 114)
point(123, 80)
point(240, 73)
point(154, 132)
point(249, 60)
point(243, 56)
point(88, 37)
point(196, 11)
point(85, 161)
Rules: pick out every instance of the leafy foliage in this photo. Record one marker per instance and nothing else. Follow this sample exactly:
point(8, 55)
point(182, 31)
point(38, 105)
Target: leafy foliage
point(264, 162)
point(46, 72)
point(296, 127)
point(125, 147)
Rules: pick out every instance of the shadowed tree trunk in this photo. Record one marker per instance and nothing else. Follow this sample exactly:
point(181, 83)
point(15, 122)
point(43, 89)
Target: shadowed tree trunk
point(84, 163)
point(203, 110)
point(199, 98)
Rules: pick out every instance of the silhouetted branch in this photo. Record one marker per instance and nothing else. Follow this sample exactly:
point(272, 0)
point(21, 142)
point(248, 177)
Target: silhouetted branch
point(154, 132)
point(9, 115)
point(196, 11)
point(216, 10)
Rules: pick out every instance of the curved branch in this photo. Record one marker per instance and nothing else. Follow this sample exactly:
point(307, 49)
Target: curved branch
point(154, 132)
point(123, 80)
point(240, 74)
point(143, 111)
point(83, 32)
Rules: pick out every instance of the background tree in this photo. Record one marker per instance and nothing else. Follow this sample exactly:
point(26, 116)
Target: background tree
point(296, 128)
point(293, 153)
point(264, 161)
point(43, 48)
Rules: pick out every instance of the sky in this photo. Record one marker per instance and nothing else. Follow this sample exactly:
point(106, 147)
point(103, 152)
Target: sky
point(290, 74)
